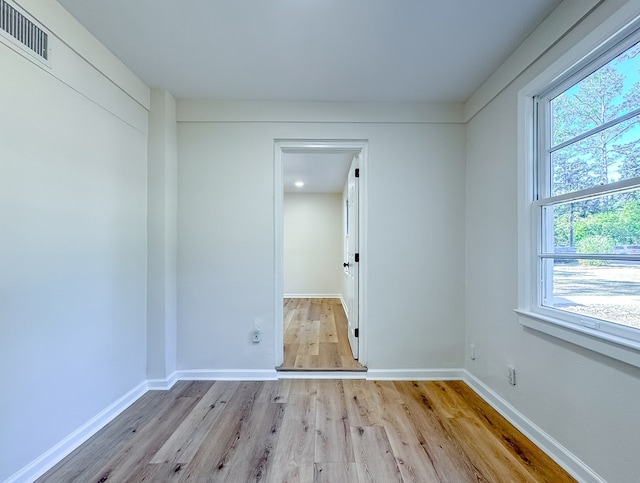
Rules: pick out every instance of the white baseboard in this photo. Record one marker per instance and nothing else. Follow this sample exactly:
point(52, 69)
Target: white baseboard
point(553, 448)
point(561, 455)
point(312, 296)
point(344, 306)
point(415, 374)
point(228, 375)
point(162, 384)
point(322, 375)
point(53, 456)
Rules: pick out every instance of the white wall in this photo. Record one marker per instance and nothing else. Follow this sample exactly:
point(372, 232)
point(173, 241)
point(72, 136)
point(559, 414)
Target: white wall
point(313, 243)
point(586, 401)
point(162, 177)
point(226, 232)
point(441, 242)
point(72, 246)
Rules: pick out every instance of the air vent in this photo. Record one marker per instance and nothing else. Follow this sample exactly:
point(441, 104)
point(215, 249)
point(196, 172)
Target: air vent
point(23, 31)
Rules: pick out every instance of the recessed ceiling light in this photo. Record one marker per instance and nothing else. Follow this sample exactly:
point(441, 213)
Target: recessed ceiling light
point(299, 184)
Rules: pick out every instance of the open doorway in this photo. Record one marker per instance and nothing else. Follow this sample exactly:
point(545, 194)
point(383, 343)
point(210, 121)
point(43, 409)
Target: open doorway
point(320, 239)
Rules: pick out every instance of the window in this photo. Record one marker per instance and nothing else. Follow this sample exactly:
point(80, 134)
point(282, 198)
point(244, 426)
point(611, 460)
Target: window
point(586, 196)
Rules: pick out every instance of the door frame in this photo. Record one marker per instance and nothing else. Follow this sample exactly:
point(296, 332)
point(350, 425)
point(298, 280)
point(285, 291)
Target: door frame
point(318, 145)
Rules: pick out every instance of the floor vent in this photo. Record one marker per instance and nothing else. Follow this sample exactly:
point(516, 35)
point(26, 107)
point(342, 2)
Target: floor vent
point(22, 30)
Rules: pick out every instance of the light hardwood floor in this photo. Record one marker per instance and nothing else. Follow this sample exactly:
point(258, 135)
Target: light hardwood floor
point(315, 336)
point(294, 430)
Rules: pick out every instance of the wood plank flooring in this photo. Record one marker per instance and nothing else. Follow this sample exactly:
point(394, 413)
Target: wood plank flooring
point(315, 336)
point(297, 430)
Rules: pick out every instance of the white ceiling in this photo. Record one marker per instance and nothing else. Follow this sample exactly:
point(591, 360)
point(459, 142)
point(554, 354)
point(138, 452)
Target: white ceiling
point(313, 50)
point(320, 171)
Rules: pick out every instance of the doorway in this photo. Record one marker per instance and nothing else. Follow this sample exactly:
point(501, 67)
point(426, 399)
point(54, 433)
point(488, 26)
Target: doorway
point(316, 336)
point(313, 312)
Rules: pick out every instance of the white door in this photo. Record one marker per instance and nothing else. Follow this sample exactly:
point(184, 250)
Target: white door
point(352, 254)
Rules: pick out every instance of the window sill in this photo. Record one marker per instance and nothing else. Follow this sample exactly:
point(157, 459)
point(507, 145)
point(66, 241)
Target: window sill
point(624, 350)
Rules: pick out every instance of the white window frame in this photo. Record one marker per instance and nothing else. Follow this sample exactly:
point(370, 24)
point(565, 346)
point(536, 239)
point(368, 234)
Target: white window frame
point(613, 340)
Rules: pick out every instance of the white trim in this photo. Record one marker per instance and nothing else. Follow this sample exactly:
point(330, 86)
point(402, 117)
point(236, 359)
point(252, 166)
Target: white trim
point(363, 264)
point(555, 450)
point(619, 348)
point(227, 375)
point(76, 37)
point(343, 302)
point(561, 455)
point(281, 145)
point(278, 256)
point(531, 314)
point(415, 374)
point(53, 456)
point(380, 375)
point(202, 110)
point(345, 307)
point(162, 384)
point(568, 15)
point(312, 296)
point(526, 189)
point(589, 193)
point(322, 375)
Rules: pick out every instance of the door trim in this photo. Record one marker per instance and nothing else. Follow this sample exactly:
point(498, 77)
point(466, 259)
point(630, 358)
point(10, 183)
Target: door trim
point(314, 145)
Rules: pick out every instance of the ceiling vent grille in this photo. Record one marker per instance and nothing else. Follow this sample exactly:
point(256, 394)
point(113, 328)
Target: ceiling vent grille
point(23, 30)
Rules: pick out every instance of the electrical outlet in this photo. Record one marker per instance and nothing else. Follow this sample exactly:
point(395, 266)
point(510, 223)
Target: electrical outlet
point(511, 374)
point(256, 336)
point(472, 352)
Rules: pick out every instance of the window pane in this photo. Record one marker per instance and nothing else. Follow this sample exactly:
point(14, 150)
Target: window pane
point(608, 292)
point(606, 224)
point(608, 93)
point(605, 157)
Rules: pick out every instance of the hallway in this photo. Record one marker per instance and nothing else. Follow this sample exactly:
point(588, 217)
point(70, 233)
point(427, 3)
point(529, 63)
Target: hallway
point(315, 336)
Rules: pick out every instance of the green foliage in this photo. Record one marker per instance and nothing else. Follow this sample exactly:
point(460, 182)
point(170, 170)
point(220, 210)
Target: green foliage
point(620, 226)
point(595, 244)
point(561, 229)
point(599, 224)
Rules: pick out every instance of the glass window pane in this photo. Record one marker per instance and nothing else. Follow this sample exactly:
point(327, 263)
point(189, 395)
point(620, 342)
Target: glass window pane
point(605, 157)
point(610, 92)
point(606, 224)
point(609, 292)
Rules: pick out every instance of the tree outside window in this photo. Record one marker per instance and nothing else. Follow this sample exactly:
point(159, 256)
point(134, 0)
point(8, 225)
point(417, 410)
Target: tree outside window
point(589, 193)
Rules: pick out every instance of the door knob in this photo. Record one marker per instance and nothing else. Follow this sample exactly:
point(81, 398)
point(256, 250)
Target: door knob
point(345, 264)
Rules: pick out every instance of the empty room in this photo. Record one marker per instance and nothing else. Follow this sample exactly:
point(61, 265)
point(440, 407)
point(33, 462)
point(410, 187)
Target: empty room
point(464, 289)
